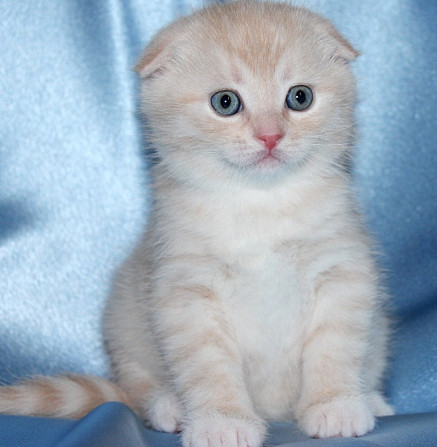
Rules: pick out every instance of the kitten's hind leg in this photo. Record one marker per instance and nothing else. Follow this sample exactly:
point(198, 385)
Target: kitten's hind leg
point(163, 411)
point(157, 406)
point(379, 406)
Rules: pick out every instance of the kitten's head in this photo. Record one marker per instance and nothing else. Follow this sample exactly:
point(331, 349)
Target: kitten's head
point(248, 92)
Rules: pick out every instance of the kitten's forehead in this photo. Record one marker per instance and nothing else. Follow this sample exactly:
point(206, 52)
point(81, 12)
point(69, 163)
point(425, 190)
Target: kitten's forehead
point(260, 37)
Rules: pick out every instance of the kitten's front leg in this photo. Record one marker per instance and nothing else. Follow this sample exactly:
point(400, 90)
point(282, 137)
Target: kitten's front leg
point(334, 400)
point(206, 368)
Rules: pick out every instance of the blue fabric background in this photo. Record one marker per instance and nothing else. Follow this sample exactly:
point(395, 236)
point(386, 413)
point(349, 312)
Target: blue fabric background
point(73, 180)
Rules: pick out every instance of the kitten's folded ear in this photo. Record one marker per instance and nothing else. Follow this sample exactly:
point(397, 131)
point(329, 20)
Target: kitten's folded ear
point(161, 50)
point(341, 49)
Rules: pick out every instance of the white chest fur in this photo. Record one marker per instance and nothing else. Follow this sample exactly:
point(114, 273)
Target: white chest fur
point(265, 313)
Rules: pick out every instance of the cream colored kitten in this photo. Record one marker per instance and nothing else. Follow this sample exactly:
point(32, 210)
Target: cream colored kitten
point(254, 295)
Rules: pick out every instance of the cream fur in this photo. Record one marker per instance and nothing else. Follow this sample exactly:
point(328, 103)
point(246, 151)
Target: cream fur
point(253, 295)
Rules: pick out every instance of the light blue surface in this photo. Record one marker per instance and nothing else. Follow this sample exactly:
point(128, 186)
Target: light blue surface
point(73, 181)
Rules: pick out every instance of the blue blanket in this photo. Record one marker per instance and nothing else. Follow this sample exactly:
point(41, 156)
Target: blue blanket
point(73, 194)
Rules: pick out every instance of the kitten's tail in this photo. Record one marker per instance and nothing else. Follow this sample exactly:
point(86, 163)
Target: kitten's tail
point(70, 396)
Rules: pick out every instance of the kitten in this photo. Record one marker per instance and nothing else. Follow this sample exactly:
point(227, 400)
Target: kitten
point(253, 295)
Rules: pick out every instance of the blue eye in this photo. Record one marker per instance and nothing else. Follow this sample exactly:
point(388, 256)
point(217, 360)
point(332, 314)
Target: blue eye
point(299, 98)
point(226, 103)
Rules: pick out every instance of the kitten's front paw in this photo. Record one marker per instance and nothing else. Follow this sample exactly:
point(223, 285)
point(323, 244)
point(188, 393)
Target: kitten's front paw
point(343, 417)
point(220, 431)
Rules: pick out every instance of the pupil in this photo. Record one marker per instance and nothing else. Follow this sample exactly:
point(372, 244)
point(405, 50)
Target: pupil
point(300, 97)
point(225, 101)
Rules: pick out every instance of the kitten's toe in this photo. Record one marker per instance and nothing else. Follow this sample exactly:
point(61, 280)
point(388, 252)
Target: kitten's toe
point(342, 417)
point(220, 431)
point(164, 412)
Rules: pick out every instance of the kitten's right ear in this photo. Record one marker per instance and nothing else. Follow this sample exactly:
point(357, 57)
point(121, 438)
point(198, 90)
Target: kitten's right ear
point(341, 48)
point(161, 51)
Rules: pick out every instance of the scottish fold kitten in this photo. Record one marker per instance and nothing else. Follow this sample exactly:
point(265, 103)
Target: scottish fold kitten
point(253, 295)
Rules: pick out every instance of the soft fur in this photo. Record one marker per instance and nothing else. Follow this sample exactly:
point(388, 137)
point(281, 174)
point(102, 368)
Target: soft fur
point(254, 295)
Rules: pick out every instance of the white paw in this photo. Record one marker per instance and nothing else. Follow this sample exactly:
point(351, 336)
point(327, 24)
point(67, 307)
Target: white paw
point(221, 431)
point(164, 412)
point(343, 417)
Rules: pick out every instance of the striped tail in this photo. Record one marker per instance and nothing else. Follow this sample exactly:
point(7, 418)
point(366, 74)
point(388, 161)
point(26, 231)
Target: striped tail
point(69, 396)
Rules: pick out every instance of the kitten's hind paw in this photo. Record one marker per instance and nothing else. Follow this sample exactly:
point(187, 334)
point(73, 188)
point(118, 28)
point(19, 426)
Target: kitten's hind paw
point(343, 417)
point(164, 412)
point(379, 406)
point(216, 430)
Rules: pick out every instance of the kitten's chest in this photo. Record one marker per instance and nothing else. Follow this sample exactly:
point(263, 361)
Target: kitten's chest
point(265, 302)
point(264, 277)
point(267, 314)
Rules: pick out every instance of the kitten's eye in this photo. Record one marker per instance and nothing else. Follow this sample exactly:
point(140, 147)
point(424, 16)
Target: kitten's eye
point(226, 103)
point(299, 98)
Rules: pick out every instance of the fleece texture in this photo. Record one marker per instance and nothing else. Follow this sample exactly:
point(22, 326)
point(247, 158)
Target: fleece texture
point(73, 175)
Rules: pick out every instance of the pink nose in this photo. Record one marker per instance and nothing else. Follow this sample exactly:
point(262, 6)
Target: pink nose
point(270, 141)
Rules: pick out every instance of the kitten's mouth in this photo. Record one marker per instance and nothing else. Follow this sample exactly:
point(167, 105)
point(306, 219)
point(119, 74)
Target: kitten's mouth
point(264, 161)
point(267, 160)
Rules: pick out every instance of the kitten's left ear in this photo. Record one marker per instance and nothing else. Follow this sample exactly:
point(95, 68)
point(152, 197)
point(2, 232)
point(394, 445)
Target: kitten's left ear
point(341, 48)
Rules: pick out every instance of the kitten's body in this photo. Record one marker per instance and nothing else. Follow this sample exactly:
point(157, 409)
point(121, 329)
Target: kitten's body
point(253, 295)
